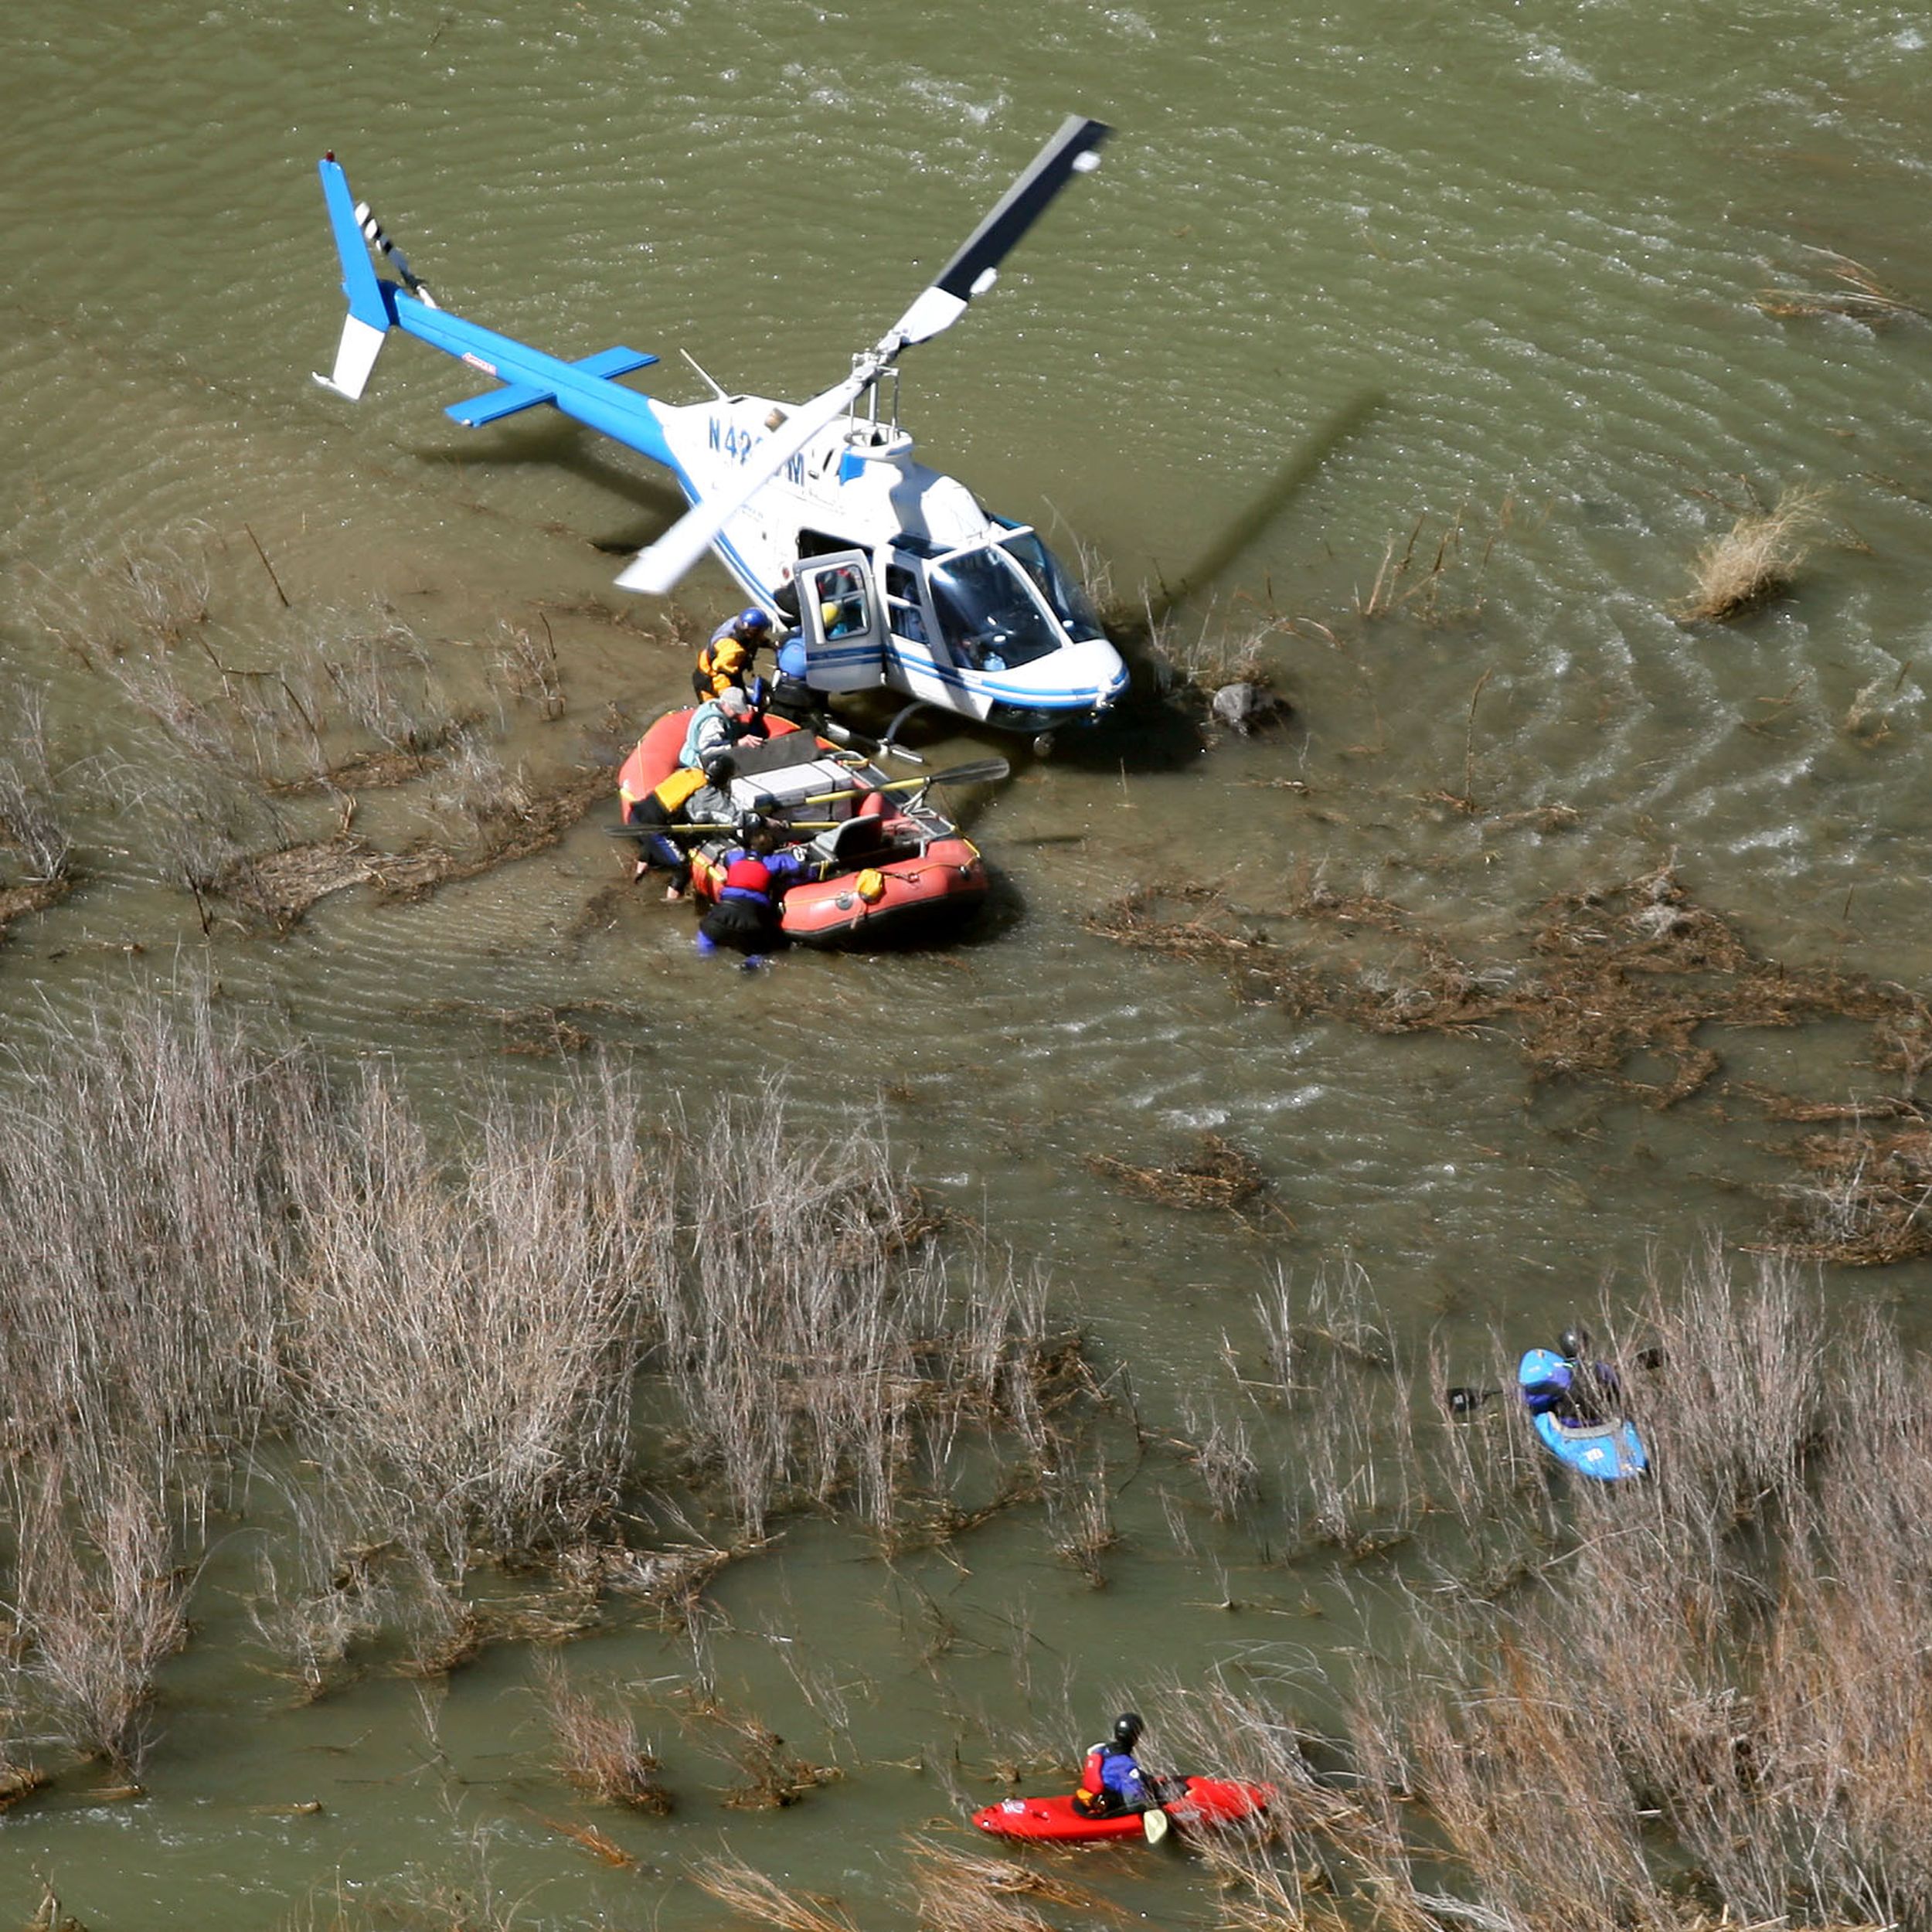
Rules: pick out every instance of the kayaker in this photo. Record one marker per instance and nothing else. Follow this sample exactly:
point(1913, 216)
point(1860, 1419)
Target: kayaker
point(1569, 1384)
point(745, 917)
point(702, 798)
point(1111, 1780)
point(727, 660)
point(717, 725)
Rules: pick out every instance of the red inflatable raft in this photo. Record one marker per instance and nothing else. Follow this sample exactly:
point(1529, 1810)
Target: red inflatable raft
point(884, 864)
point(1208, 1802)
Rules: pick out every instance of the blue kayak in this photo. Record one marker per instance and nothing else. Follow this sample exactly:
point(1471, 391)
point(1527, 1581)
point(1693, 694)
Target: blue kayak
point(1608, 1451)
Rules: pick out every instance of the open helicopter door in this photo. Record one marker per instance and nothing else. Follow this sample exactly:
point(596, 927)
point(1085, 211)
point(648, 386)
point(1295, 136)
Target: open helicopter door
point(842, 620)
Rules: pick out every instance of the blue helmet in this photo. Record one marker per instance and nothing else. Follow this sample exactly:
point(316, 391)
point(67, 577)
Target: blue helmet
point(754, 619)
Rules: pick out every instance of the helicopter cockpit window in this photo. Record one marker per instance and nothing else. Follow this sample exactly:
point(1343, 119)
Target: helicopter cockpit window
point(1062, 592)
point(902, 613)
point(987, 611)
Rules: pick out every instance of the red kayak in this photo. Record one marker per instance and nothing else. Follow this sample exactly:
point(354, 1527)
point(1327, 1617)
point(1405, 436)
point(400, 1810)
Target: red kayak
point(1208, 1802)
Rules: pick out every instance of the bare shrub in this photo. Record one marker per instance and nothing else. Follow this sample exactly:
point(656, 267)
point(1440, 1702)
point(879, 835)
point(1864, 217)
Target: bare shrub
point(1080, 1513)
point(813, 1338)
point(530, 667)
point(597, 1745)
point(752, 1895)
point(1223, 1454)
point(475, 784)
point(461, 1356)
point(29, 817)
point(1752, 561)
point(100, 1609)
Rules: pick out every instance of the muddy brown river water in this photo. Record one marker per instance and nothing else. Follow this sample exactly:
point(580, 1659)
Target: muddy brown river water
point(1499, 314)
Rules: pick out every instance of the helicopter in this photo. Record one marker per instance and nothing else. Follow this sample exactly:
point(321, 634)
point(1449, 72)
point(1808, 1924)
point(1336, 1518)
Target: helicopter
point(894, 574)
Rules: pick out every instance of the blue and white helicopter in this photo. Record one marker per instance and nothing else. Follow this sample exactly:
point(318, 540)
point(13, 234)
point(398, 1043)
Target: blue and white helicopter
point(895, 574)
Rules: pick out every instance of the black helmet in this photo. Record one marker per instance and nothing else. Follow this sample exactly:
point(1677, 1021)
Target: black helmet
point(1127, 1730)
point(1573, 1344)
point(720, 767)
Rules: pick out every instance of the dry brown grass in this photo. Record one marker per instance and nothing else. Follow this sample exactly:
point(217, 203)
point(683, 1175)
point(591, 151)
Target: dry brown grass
point(1753, 561)
point(1217, 1174)
point(752, 1895)
point(595, 1744)
point(1859, 295)
point(1701, 1699)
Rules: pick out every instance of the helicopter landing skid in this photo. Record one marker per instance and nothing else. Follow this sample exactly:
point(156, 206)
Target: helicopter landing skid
point(889, 740)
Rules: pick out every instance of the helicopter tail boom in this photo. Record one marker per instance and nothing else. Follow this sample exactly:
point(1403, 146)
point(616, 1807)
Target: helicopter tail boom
point(585, 388)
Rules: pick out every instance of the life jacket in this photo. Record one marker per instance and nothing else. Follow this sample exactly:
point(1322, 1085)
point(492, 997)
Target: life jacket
point(711, 729)
point(1091, 1782)
point(747, 876)
point(722, 662)
point(679, 787)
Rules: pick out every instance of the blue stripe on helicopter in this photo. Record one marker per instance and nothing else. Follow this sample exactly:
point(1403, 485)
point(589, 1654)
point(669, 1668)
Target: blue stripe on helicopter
point(628, 416)
point(497, 403)
point(924, 664)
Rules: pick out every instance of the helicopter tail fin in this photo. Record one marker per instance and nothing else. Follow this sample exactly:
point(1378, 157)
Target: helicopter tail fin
point(370, 314)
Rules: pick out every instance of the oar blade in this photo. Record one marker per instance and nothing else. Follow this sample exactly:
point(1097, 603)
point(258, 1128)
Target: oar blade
point(983, 771)
point(1154, 1824)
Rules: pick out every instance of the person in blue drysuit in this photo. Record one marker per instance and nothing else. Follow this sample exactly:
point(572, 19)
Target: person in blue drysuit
point(1569, 1384)
point(718, 724)
point(1111, 1780)
point(791, 696)
point(745, 919)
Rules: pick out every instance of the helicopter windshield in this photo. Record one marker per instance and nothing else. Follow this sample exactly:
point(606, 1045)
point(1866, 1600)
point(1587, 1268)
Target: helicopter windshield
point(1064, 596)
point(988, 612)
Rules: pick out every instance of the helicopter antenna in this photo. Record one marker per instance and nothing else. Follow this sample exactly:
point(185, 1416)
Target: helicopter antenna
point(971, 272)
point(717, 388)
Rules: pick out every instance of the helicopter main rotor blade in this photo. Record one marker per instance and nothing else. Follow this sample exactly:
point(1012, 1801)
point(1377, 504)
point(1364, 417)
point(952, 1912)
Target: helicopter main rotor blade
point(972, 271)
point(658, 567)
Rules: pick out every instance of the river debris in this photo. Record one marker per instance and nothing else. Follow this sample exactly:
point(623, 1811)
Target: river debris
point(1868, 1202)
point(1619, 984)
point(1613, 975)
point(772, 1776)
point(1216, 1174)
point(1753, 561)
point(1858, 296)
point(32, 896)
point(279, 888)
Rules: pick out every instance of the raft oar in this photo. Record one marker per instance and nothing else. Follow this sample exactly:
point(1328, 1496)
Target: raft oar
point(867, 747)
point(1154, 1824)
point(1461, 1401)
point(984, 771)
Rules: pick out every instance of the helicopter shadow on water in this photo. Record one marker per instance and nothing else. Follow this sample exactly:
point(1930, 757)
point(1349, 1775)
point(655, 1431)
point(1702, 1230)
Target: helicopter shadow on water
point(562, 445)
point(1166, 719)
